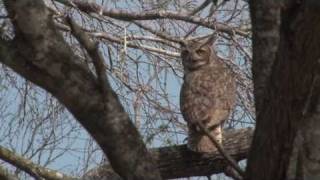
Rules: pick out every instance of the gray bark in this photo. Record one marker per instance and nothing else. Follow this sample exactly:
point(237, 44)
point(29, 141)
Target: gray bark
point(286, 53)
point(179, 161)
point(40, 54)
point(286, 89)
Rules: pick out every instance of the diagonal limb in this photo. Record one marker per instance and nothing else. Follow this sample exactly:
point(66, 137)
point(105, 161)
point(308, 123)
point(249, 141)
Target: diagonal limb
point(229, 159)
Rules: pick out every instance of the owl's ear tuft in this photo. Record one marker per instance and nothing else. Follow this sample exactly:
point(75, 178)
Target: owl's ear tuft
point(210, 39)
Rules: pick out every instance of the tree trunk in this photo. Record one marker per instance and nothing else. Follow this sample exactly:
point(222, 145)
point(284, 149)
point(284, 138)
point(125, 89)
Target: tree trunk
point(287, 88)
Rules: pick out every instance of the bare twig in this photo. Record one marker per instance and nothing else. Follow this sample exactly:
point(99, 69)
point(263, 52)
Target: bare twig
point(201, 7)
point(130, 16)
point(132, 45)
point(93, 50)
point(230, 160)
point(231, 172)
point(110, 38)
point(158, 33)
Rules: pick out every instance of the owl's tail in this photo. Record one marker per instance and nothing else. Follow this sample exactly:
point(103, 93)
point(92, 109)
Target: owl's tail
point(198, 141)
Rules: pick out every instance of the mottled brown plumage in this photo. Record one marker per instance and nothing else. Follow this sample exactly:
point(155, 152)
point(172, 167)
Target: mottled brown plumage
point(207, 95)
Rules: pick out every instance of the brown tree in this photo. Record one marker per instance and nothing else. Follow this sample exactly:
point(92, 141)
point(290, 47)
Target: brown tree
point(286, 86)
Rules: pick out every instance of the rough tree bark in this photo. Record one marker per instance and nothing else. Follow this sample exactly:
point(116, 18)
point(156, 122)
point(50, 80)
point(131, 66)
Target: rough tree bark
point(179, 161)
point(40, 54)
point(286, 52)
point(172, 161)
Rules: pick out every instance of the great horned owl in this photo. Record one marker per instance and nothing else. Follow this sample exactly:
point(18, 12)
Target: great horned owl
point(207, 95)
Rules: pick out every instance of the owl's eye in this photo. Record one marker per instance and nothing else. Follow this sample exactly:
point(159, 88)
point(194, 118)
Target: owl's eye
point(200, 51)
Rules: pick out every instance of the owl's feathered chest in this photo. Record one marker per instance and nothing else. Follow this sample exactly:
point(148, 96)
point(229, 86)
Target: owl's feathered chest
point(206, 80)
point(207, 92)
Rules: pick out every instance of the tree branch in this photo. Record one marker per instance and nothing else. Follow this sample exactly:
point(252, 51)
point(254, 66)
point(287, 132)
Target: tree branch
point(40, 54)
point(107, 37)
point(179, 161)
point(221, 150)
point(87, 7)
point(173, 162)
point(158, 33)
point(92, 49)
point(5, 175)
point(31, 168)
point(201, 7)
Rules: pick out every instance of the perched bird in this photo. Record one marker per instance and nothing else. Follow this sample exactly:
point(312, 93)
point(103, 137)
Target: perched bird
point(208, 93)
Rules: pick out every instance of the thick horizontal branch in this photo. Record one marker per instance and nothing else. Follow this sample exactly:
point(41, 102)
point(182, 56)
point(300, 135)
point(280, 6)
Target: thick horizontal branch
point(87, 7)
point(179, 161)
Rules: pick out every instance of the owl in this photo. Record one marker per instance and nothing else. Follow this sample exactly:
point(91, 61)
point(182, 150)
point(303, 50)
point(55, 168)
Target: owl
point(207, 95)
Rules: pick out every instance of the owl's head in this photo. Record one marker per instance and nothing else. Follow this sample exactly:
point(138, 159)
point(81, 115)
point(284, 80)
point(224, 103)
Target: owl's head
point(196, 53)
